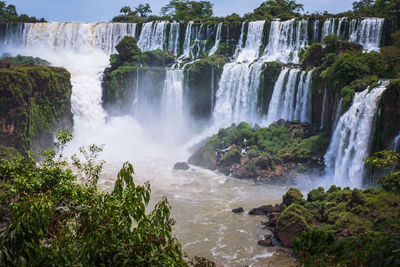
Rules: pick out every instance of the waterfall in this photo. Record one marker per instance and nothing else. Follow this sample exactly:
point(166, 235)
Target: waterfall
point(198, 47)
point(236, 97)
point(237, 93)
point(316, 31)
point(303, 99)
point(328, 28)
point(351, 139)
point(217, 40)
point(286, 38)
point(78, 37)
point(396, 142)
point(291, 100)
point(172, 98)
point(153, 36)
point(339, 28)
point(239, 45)
point(253, 42)
point(173, 38)
point(186, 44)
point(212, 87)
point(337, 115)
point(13, 34)
point(367, 32)
point(323, 110)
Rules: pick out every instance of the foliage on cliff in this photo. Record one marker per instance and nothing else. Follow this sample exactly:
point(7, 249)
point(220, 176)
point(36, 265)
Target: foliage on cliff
point(343, 69)
point(49, 218)
point(120, 78)
point(344, 227)
point(8, 13)
point(283, 9)
point(33, 101)
point(184, 10)
point(265, 152)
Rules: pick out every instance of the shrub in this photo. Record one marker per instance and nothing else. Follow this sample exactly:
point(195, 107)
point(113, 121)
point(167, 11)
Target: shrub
point(331, 43)
point(313, 56)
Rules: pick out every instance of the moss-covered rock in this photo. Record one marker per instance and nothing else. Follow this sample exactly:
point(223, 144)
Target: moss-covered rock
point(127, 48)
point(316, 194)
point(132, 70)
point(33, 101)
point(313, 56)
point(293, 195)
point(268, 154)
point(293, 220)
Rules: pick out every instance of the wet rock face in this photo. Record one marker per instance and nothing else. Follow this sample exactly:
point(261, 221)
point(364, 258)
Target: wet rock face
point(204, 159)
point(387, 123)
point(181, 166)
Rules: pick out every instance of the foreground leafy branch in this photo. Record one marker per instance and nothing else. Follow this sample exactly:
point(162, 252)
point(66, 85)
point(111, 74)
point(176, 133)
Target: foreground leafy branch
point(53, 220)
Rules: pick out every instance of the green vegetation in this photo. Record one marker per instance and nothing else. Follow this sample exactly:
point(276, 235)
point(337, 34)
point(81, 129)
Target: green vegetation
point(121, 77)
point(33, 101)
point(266, 147)
point(26, 60)
point(284, 9)
point(50, 219)
point(138, 14)
point(344, 227)
point(185, 10)
point(343, 69)
point(8, 13)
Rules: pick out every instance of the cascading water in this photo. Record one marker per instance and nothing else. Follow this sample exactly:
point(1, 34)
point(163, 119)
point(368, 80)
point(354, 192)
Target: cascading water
point(337, 115)
point(396, 142)
point(367, 32)
point(350, 142)
point(328, 28)
point(187, 44)
point(217, 40)
point(236, 97)
point(323, 110)
point(173, 39)
point(286, 38)
point(291, 101)
point(172, 105)
point(153, 36)
point(237, 94)
point(253, 42)
point(316, 31)
point(76, 36)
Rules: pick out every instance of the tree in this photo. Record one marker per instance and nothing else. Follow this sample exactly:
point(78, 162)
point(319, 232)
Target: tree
point(143, 10)
point(11, 11)
point(278, 8)
point(187, 10)
point(378, 8)
point(126, 10)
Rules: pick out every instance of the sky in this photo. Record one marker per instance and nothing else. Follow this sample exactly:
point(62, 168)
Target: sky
point(104, 10)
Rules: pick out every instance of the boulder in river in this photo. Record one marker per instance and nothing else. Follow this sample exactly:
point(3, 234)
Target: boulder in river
point(181, 166)
point(238, 210)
